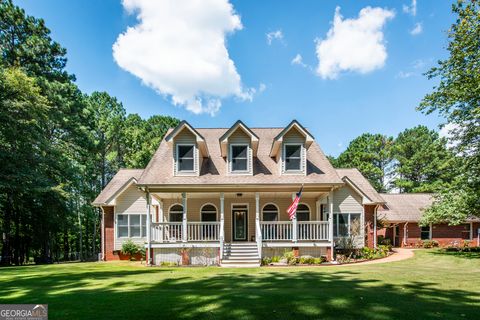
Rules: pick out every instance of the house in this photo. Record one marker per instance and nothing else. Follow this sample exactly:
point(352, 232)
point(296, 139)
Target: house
point(401, 214)
point(220, 195)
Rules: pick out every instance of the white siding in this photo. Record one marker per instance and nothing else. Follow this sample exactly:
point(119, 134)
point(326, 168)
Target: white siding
point(186, 137)
point(346, 200)
point(294, 137)
point(240, 137)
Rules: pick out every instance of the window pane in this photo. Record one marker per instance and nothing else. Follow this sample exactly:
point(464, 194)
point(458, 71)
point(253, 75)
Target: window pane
point(209, 216)
point(122, 232)
point(292, 164)
point(343, 225)
point(292, 151)
point(134, 231)
point(134, 219)
point(270, 216)
point(355, 226)
point(425, 233)
point(239, 152)
point(176, 217)
point(302, 216)
point(185, 152)
point(122, 220)
point(239, 164)
point(185, 164)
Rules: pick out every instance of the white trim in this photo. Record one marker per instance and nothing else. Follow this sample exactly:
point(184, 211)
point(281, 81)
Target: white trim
point(206, 204)
point(284, 158)
point(270, 203)
point(430, 231)
point(185, 172)
point(128, 214)
point(249, 170)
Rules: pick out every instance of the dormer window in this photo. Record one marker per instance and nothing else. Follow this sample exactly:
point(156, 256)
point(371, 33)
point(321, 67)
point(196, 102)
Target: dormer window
point(239, 157)
point(185, 157)
point(293, 157)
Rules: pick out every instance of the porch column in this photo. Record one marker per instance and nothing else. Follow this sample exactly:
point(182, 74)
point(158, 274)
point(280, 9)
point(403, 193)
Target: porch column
point(317, 210)
point(258, 230)
point(330, 223)
point(222, 223)
point(184, 217)
point(160, 218)
point(149, 231)
point(294, 223)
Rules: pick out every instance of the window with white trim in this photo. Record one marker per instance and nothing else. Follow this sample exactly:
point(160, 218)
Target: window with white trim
point(131, 225)
point(303, 212)
point(425, 233)
point(239, 157)
point(209, 213)
point(293, 157)
point(176, 213)
point(185, 158)
point(270, 213)
point(346, 224)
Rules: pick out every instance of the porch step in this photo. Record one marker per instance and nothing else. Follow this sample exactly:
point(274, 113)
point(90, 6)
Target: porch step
point(240, 255)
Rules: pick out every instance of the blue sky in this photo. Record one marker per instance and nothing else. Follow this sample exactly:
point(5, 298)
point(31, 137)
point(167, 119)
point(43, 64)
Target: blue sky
point(367, 85)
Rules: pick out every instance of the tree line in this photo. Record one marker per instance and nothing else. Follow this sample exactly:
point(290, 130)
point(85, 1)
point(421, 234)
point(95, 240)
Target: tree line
point(58, 146)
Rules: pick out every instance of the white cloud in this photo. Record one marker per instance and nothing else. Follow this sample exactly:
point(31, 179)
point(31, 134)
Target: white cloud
point(353, 44)
point(274, 35)
point(298, 60)
point(417, 29)
point(178, 48)
point(404, 74)
point(447, 131)
point(412, 9)
point(262, 87)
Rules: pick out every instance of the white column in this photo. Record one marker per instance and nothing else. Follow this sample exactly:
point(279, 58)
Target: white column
point(294, 224)
point(222, 223)
point(103, 233)
point(471, 231)
point(160, 218)
point(184, 217)
point(149, 231)
point(258, 230)
point(317, 210)
point(330, 222)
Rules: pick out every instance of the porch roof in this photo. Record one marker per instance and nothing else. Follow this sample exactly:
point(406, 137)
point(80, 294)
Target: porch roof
point(118, 182)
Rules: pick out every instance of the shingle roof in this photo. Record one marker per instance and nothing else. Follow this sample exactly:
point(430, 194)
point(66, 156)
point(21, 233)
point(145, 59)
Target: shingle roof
point(213, 171)
point(362, 183)
point(122, 177)
point(404, 206)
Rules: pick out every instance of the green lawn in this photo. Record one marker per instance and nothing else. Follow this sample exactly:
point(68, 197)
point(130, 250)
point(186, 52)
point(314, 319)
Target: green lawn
point(429, 286)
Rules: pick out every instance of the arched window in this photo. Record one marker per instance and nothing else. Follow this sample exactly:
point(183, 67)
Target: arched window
point(208, 213)
point(303, 212)
point(176, 213)
point(270, 212)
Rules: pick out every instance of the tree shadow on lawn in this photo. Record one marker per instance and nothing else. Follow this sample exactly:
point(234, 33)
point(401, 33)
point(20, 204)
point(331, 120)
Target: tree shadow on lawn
point(173, 293)
point(457, 254)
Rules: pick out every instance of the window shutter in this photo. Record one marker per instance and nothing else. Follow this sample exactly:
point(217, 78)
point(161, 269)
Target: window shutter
point(250, 160)
point(229, 160)
point(304, 160)
point(175, 169)
point(282, 158)
point(196, 155)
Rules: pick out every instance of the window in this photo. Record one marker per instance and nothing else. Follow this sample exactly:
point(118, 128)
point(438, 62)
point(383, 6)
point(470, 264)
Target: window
point(131, 225)
point(185, 158)
point(346, 224)
point(303, 212)
point(176, 213)
point(209, 213)
point(239, 157)
point(293, 157)
point(425, 233)
point(270, 213)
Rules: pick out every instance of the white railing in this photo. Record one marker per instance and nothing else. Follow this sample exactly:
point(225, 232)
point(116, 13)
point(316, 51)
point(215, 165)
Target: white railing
point(203, 231)
point(167, 232)
point(313, 230)
point(196, 231)
point(276, 230)
point(283, 230)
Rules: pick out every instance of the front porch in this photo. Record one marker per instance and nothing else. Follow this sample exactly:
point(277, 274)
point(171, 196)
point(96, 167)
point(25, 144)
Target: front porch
point(218, 219)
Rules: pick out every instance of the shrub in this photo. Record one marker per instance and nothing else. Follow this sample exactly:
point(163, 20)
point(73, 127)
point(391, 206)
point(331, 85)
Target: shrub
point(290, 257)
point(276, 258)
point(168, 264)
point(307, 260)
point(130, 248)
point(427, 244)
point(266, 261)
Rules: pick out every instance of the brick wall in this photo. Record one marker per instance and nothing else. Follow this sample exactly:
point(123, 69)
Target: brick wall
point(109, 234)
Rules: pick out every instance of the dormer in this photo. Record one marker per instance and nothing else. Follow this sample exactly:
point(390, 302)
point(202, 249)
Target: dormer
point(189, 149)
point(289, 148)
point(238, 145)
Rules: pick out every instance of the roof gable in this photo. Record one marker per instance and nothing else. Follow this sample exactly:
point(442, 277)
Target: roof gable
point(277, 141)
point(239, 125)
point(184, 125)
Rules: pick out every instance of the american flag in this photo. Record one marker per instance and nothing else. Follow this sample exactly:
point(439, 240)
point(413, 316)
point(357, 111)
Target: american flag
point(292, 210)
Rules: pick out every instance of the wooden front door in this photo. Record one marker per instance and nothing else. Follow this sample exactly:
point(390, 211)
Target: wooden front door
point(240, 223)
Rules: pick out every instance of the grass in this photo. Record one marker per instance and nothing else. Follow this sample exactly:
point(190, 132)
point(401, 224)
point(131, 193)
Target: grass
point(431, 285)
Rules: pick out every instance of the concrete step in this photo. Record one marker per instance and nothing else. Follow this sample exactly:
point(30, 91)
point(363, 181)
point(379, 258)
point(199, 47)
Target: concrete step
point(240, 265)
point(241, 254)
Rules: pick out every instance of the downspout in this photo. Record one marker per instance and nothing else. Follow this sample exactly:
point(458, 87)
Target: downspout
point(405, 233)
point(103, 233)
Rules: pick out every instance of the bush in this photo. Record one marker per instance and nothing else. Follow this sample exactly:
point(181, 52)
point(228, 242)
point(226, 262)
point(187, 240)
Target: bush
point(276, 258)
point(130, 248)
point(168, 264)
point(370, 253)
point(427, 244)
point(290, 257)
point(266, 261)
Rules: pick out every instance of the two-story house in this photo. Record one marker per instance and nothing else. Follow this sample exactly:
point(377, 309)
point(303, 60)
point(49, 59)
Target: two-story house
point(220, 195)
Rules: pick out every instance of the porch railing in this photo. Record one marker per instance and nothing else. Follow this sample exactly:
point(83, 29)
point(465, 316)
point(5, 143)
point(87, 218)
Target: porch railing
point(283, 230)
point(196, 231)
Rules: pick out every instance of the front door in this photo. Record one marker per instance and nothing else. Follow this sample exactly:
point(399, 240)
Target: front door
point(239, 220)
